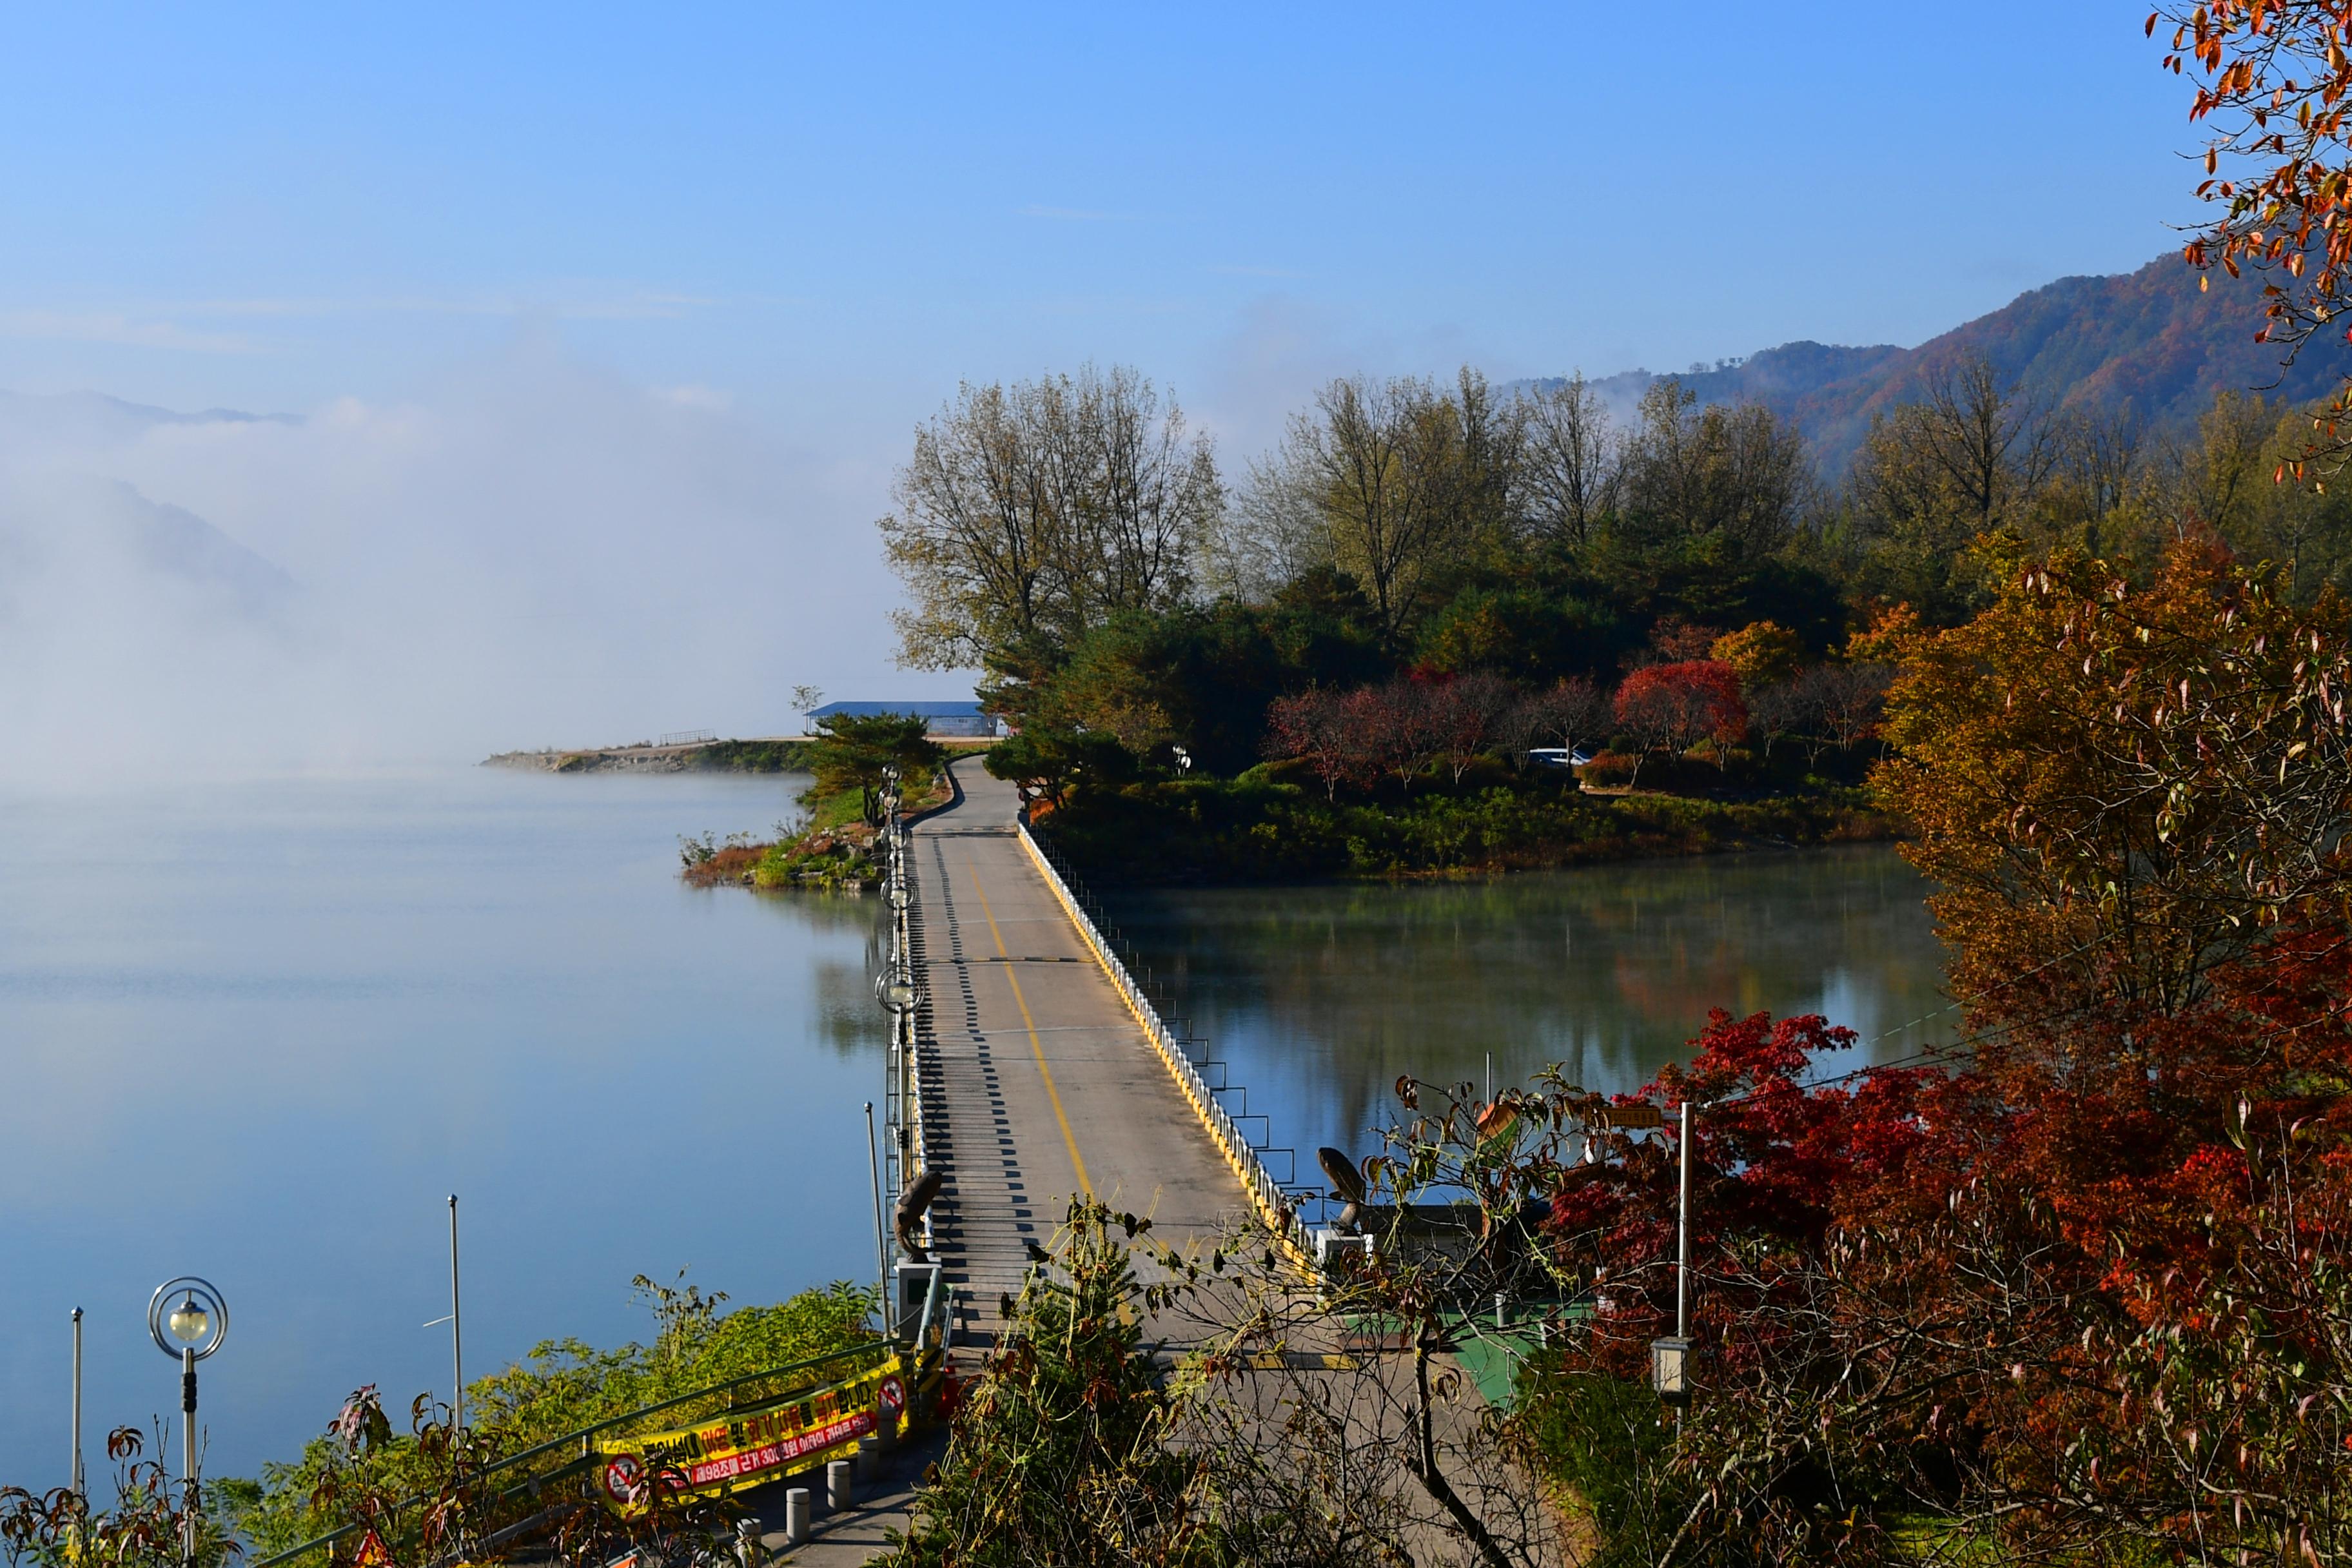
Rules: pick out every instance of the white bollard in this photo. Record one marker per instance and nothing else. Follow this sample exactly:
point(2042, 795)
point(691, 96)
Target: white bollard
point(839, 1491)
point(796, 1516)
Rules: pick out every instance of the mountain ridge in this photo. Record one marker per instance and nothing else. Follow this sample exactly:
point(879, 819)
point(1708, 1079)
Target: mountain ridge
point(2148, 339)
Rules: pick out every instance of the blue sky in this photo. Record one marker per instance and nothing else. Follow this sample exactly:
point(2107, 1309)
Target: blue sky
point(834, 213)
point(592, 319)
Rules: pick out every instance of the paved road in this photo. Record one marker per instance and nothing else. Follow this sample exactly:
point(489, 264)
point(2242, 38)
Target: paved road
point(1038, 1082)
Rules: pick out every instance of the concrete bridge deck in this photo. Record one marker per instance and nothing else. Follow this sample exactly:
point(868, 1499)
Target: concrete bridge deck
point(1038, 1081)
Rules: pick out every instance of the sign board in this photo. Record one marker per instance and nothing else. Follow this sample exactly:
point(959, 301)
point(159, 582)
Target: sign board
point(746, 1447)
point(1636, 1115)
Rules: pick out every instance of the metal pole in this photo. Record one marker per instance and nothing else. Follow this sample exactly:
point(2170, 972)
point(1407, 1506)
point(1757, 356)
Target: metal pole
point(881, 1247)
point(76, 1480)
point(1682, 1264)
point(188, 1454)
point(457, 1333)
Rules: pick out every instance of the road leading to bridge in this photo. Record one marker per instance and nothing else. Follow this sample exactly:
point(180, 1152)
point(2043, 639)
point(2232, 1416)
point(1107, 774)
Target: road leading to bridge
point(1037, 1082)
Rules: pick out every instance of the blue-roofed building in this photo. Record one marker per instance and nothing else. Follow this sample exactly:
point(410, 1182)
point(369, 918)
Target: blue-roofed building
point(962, 721)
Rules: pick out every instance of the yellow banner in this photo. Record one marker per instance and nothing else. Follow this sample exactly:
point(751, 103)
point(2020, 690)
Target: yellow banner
point(747, 1448)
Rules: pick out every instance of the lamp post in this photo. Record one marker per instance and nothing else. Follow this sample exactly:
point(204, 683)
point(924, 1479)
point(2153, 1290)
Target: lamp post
point(76, 1482)
point(187, 1330)
point(1670, 1358)
point(881, 1246)
point(894, 988)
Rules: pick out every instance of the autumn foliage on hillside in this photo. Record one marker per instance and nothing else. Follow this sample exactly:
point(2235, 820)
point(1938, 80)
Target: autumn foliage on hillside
point(2078, 1290)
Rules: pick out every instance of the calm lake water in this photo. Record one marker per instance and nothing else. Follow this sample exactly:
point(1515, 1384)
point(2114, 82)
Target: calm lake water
point(258, 1032)
point(1319, 997)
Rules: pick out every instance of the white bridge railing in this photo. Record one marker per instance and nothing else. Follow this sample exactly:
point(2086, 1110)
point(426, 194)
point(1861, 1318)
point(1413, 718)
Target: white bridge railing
point(1277, 1207)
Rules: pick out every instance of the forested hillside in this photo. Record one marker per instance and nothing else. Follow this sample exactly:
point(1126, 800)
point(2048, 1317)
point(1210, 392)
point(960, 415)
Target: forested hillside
point(2150, 340)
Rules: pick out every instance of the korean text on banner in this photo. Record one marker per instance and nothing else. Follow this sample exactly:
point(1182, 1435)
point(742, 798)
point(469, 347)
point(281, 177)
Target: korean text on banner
point(745, 1447)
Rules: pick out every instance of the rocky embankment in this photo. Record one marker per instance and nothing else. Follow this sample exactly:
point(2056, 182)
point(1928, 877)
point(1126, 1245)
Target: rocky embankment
point(612, 760)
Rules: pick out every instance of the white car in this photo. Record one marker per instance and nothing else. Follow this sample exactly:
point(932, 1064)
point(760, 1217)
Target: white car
point(1562, 757)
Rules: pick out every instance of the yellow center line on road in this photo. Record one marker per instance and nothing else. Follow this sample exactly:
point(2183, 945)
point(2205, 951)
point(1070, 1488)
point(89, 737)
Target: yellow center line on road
point(1036, 1046)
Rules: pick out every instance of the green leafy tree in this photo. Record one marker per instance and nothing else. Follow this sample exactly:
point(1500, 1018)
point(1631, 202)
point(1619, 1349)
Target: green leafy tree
point(1044, 763)
point(857, 751)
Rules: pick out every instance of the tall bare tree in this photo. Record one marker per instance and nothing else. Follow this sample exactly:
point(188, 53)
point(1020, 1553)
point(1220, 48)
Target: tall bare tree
point(1688, 471)
point(1974, 454)
point(1405, 478)
point(1029, 514)
point(1572, 463)
point(1975, 450)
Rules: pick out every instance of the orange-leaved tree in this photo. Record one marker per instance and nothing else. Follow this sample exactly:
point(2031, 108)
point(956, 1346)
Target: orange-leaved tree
point(2273, 94)
point(2120, 788)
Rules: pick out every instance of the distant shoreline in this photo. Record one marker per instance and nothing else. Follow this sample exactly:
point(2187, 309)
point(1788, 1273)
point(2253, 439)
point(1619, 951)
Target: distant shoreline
point(763, 754)
point(771, 754)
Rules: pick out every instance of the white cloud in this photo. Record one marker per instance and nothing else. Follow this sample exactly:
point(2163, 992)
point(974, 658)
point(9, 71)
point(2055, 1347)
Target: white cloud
point(113, 327)
point(691, 396)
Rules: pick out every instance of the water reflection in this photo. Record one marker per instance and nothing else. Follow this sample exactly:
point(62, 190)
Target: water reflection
point(1319, 997)
point(260, 1032)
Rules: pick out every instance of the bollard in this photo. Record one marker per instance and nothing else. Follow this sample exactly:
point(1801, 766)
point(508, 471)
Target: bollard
point(866, 1461)
point(796, 1516)
point(839, 1491)
point(747, 1542)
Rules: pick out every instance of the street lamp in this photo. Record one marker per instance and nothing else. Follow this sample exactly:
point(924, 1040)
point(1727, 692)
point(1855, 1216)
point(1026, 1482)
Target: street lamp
point(1670, 1358)
point(896, 992)
point(188, 1320)
point(1670, 1369)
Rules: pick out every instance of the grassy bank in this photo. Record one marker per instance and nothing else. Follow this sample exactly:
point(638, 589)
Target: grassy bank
point(1271, 825)
point(829, 849)
point(753, 757)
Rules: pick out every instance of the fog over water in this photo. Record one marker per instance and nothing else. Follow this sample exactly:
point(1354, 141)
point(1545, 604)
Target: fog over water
point(528, 551)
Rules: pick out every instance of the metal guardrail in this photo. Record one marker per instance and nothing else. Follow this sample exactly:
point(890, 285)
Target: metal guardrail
point(688, 737)
point(1275, 1204)
point(578, 1439)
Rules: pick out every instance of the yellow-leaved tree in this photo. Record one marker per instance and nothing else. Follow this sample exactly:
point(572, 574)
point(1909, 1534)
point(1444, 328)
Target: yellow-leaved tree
point(2119, 786)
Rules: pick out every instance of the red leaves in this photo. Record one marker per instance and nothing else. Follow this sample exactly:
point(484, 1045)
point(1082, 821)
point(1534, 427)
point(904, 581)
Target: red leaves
point(1673, 707)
